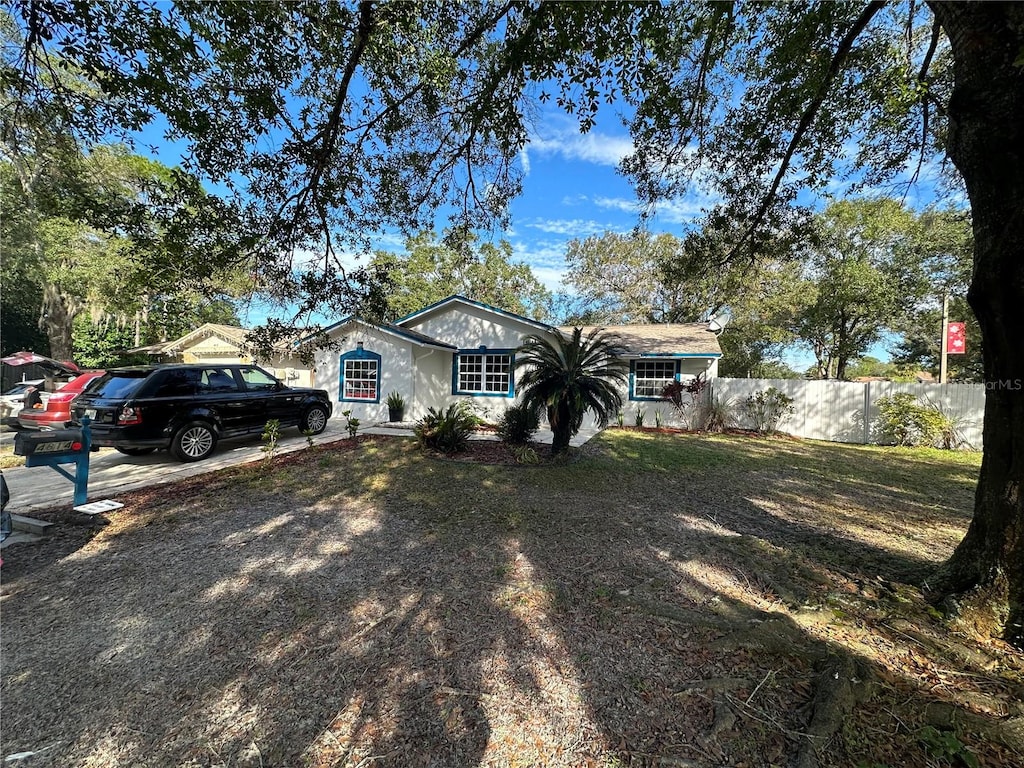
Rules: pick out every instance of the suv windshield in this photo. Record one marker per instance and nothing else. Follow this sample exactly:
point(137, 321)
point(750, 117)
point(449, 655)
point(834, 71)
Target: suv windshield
point(116, 386)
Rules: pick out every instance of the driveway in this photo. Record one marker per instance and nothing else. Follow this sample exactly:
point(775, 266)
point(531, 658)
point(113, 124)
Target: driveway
point(111, 473)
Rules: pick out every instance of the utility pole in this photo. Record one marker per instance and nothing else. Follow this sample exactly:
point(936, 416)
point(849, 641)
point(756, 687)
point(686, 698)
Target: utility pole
point(945, 321)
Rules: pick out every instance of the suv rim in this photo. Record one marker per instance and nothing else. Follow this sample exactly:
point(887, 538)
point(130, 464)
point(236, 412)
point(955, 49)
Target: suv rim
point(316, 420)
point(196, 442)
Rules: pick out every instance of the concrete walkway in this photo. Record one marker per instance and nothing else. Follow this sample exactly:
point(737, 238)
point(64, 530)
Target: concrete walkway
point(112, 473)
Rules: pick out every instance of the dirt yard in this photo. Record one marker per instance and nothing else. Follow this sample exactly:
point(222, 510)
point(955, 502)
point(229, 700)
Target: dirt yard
point(657, 600)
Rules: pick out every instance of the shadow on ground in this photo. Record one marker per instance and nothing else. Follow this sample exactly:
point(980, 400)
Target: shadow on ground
point(657, 601)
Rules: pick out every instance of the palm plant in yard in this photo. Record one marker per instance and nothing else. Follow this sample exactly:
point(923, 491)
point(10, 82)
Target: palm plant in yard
point(570, 375)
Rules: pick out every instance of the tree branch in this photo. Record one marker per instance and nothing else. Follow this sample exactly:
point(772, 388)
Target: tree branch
point(330, 131)
point(809, 113)
point(922, 82)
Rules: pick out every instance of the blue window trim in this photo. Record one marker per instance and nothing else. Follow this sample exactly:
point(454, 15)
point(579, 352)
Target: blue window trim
point(632, 377)
point(358, 354)
point(485, 351)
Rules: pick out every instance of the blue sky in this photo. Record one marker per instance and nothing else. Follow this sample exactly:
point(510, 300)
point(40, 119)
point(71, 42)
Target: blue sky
point(572, 190)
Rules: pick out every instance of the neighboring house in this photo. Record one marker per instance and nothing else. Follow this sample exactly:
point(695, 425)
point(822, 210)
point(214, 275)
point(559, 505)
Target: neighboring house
point(215, 343)
point(460, 349)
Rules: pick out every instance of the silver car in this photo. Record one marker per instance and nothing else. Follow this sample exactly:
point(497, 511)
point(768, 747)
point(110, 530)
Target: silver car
point(13, 399)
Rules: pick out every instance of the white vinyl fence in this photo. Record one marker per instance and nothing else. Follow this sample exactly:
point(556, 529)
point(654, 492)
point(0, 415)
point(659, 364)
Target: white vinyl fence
point(845, 412)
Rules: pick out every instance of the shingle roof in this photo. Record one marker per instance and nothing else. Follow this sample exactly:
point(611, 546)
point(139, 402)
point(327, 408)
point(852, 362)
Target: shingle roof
point(662, 339)
point(407, 333)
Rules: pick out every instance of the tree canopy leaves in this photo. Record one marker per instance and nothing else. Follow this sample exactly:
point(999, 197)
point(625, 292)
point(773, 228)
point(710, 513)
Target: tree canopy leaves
point(432, 270)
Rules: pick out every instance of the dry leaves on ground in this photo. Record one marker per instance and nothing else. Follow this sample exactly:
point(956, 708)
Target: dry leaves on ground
point(657, 600)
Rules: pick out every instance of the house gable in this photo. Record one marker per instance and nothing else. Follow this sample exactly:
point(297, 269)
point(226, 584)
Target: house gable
point(351, 323)
point(208, 339)
point(471, 325)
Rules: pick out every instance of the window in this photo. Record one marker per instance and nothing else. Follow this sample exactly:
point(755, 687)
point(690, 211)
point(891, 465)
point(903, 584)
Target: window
point(218, 380)
point(258, 380)
point(179, 382)
point(120, 385)
point(360, 377)
point(484, 374)
point(649, 377)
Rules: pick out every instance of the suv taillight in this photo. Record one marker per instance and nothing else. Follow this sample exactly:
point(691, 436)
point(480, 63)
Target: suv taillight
point(129, 415)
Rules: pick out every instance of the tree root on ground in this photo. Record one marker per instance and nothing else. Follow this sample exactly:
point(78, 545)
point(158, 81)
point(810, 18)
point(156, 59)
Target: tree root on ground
point(1008, 733)
point(843, 683)
point(701, 617)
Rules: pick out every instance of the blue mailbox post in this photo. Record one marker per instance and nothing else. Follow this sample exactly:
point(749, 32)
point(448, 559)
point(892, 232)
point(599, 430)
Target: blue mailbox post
point(52, 448)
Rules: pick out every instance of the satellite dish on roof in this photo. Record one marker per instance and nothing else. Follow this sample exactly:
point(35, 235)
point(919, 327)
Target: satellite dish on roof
point(718, 322)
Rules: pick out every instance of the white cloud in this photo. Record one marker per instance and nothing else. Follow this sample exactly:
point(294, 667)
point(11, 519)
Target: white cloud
point(389, 241)
point(593, 147)
point(568, 227)
point(546, 259)
point(524, 160)
point(685, 210)
point(551, 278)
point(680, 210)
point(619, 204)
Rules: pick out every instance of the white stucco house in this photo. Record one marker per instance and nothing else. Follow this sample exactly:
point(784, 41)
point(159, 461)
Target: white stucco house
point(460, 349)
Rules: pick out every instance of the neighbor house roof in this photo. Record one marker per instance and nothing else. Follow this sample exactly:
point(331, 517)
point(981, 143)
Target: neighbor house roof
point(232, 334)
point(229, 333)
point(662, 340)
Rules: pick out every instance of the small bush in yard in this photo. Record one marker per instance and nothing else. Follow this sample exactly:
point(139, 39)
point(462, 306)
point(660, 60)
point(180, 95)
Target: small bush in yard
point(904, 420)
point(768, 409)
point(524, 454)
point(685, 398)
point(715, 415)
point(351, 424)
point(518, 425)
point(271, 437)
point(446, 431)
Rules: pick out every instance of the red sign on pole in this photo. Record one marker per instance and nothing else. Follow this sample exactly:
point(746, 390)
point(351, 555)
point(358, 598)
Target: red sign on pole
point(956, 339)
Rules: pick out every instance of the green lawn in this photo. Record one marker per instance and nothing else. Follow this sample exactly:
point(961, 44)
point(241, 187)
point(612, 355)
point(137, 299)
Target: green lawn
point(656, 600)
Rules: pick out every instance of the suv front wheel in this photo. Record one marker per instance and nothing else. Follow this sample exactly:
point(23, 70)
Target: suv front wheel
point(194, 441)
point(314, 421)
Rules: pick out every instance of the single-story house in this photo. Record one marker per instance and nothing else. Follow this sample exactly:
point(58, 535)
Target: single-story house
point(460, 349)
point(216, 343)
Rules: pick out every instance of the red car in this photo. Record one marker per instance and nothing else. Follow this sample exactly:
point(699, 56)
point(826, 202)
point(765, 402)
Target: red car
point(56, 414)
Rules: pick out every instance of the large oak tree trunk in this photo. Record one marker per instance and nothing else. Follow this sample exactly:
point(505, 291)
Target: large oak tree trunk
point(55, 319)
point(986, 143)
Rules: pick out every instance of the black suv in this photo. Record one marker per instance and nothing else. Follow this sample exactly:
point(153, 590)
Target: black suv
point(188, 408)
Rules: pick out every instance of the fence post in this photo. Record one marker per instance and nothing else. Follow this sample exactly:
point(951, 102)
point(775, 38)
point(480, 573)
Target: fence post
point(867, 410)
